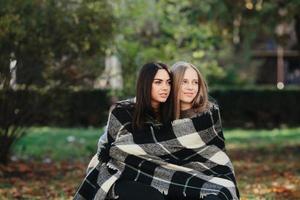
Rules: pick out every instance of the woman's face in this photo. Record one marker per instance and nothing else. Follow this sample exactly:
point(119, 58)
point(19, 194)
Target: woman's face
point(161, 87)
point(189, 88)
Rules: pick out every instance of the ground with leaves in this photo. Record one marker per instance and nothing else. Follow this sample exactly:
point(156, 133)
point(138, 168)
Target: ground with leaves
point(266, 163)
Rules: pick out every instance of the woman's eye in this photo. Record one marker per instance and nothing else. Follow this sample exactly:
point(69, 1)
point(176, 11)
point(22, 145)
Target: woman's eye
point(157, 82)
point(184, 81)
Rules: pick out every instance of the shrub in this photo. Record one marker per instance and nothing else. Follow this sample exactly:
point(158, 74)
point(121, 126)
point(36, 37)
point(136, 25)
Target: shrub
point(258, 108)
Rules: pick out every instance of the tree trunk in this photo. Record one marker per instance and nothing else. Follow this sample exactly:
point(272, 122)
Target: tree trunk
point(6, 144)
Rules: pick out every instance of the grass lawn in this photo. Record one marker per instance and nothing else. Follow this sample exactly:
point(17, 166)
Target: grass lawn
point(58, 143)
point(266, 162)
point(50, 163)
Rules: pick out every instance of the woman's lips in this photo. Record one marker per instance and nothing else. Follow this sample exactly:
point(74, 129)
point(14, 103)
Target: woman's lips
point(163, 95)
point(189, 94)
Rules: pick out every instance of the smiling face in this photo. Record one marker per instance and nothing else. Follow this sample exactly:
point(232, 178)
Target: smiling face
point(160, 89)
point(189, 88)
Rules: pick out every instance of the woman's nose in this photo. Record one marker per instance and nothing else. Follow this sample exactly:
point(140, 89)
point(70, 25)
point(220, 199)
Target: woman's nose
point(189, 86)
point(166, 86)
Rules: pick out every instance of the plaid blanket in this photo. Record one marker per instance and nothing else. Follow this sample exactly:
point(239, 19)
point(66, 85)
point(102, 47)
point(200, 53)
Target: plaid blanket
point(183, 160)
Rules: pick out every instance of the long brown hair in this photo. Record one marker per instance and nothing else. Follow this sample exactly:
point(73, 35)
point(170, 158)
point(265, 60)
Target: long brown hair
point(200, 102)
point(143, 105)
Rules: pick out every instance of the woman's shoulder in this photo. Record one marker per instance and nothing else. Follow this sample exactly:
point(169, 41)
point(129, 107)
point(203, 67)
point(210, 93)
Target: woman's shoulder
point(127, 103)
point(123, 106)
point(211, 110)
point(213, 105)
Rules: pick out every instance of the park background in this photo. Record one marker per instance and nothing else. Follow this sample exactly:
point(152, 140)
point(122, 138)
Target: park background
point(64, 62)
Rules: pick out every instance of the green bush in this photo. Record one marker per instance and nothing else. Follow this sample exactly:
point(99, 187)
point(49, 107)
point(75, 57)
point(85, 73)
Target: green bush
point(56, 107)
point(258, 108)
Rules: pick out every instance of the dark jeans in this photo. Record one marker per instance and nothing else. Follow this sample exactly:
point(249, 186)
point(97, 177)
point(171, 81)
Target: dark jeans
point(212, 197)
point(131, 190)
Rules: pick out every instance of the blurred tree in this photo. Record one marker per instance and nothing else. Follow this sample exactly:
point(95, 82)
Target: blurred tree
point(250, 25)
point(161, 30)
point(54, 44)
point(217, 36)
point(60, 43)
point(17, 110)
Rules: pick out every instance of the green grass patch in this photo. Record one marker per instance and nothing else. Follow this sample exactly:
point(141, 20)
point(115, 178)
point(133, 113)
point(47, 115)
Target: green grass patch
point(242, 139)
point(58, 143)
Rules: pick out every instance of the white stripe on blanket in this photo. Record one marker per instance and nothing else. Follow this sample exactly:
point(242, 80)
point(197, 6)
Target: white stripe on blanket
point(107, 184)
point(177, 167)
point(222, 182)
point(220, 158)
point(132, 149)
point(191, 141)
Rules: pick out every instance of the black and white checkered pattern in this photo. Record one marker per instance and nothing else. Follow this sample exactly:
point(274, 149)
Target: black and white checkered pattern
point(184, 160)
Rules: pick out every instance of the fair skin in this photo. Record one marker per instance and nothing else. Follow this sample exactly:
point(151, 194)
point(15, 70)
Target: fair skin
point(161, 87)
point(189, 88)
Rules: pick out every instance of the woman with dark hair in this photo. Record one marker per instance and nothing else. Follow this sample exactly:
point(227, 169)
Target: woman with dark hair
point(129, 123)
point(151, 98)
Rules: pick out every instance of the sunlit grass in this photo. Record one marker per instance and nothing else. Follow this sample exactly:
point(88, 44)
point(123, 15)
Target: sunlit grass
point(240, 138)
point(58, 143)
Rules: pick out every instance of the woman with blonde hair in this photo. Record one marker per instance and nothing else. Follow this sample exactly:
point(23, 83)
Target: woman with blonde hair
point(187, 93)
point(197, 126)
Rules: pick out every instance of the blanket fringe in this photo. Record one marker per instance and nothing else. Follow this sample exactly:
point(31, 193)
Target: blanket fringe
point(162, 190)
point(111, 166)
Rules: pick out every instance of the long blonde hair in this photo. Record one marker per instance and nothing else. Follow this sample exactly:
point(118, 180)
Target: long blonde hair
point(200, 102)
